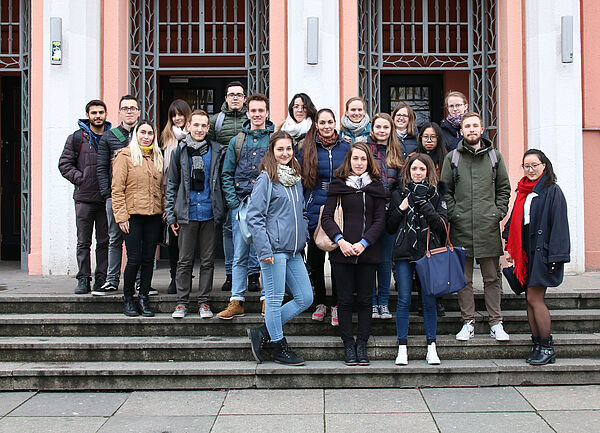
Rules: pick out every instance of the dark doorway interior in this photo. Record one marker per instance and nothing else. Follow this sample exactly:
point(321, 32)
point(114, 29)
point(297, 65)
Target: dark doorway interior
point(10, 169)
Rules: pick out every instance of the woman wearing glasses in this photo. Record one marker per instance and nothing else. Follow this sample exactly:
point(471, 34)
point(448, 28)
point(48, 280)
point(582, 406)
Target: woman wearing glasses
point(301, 116)
point(431, 142)
point(538, 244)
point(456, 105)
point(406, 130)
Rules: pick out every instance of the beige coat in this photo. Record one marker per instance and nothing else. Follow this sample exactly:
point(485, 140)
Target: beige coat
point(135, 190)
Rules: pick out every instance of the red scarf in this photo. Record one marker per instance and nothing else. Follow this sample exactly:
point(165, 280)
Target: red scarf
point(328, 142)
point(515, 233)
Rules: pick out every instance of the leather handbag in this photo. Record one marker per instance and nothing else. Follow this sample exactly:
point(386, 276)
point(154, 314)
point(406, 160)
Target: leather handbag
point(442, 270)
point(321, 239)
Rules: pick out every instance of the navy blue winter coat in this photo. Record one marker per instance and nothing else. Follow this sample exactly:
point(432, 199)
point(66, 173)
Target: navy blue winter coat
point(409, 144)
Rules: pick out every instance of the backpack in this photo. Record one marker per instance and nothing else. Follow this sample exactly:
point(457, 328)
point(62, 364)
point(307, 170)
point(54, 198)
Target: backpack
point(119, 135)
point(219, 123)
point(77, 142)
point(239, 143)
point(456, 157)
point(242, 214)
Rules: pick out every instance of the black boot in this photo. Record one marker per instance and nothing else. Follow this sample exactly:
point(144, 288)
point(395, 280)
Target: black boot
point(129, 307)
point(258, 338)
point(361, 353)
point(226, 287)
point(546, 353)
point(285, 355)
point(172, 289)
point(350, 357)
point(83, 286)
point(145, 306)
point(254, 283)
point(535, 352)
point(441, 310)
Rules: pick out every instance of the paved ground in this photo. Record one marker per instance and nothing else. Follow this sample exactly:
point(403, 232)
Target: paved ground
point(511, 409)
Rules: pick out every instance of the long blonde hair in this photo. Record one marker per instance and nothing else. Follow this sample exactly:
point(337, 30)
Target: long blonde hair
point(137, 157)
point(393, 155)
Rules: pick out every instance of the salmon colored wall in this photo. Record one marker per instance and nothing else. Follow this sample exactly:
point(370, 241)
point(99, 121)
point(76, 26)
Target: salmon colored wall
point(348, 51)
point(590, 16)
point(278, 61)
point(34, 260)
point(456, 80)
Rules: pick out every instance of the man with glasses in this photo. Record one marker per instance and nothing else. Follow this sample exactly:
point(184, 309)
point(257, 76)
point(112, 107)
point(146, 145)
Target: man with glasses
point(477, 200)
point(111, 141)
point(223, 127)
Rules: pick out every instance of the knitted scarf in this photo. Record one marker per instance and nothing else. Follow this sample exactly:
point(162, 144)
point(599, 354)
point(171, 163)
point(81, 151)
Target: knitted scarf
point(287, 175)
point(358, 182)
point(195, 150)
point(455, 120)
point(416, 223)
point(355, 128)
point(515, 233)
point(327, 142)
point(146, 149)
point(296, 130)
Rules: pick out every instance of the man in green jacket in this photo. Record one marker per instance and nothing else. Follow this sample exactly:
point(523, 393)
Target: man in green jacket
point(477, 199)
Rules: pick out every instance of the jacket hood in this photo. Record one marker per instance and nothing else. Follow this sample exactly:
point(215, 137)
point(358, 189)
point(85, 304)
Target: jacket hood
point(235, 113)
point(486, 144)
point(85, 125)
point(375, 188)
point(269, 128)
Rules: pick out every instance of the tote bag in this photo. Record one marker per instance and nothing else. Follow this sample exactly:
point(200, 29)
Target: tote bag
point(442, 270)
point(321, 239)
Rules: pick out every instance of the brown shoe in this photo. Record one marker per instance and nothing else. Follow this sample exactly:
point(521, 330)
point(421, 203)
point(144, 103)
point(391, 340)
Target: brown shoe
point(235, 308)
point(263, 308)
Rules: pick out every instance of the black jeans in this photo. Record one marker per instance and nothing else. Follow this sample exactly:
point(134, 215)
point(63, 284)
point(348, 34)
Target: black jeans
point(355, 278)
point(144, 233)
point(86, 215)
point(315, 258)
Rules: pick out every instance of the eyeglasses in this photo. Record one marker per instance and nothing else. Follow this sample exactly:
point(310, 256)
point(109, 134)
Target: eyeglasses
point(129, 109)
point(429, 137)
point(404, 116)
point(235, 95)
point(531, 167)
point(456, 106)
point(299, 107)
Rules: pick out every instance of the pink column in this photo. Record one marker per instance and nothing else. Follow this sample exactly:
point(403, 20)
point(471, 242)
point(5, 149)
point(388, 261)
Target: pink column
point(278, 61)
point(348, 51)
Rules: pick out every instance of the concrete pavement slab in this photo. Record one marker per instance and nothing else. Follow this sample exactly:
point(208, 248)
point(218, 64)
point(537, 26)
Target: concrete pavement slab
point(40, 424)
point(273, 401)
point(475, 400)
point(380, 423)
point(158, 424)
point(491, 422)
point(10, 400)
point(562, 397)
point(311, 423)
point(173, 403)
point(572, 421)
point(358, 401)
point(71, 404)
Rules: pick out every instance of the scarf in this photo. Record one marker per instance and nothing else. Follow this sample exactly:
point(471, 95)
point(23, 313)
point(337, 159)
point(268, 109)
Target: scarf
point(195, 150)
point(356, 129)
point(178, 133)
point(418, 194)
point(328, 142)
point(296, 130)
point(455, 120)
point(401, 135)
point(358, 182)
point(146, 149)
point(287, 175)
point(515, 234)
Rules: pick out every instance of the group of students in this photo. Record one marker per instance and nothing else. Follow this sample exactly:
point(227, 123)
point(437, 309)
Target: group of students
point(381, 173)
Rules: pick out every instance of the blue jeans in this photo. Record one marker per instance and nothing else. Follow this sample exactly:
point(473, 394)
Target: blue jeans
point(243, 255)
point(115, 246)
point(404, 273)
point(288, 269)
point(253, 265)
point(381, 287)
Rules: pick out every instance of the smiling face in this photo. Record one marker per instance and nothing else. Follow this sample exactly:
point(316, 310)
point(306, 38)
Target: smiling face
point(401, 119)
point(429, 139)
point(418, 171)
point(258, 113)
point(178, 120)
point(299, 110)
point(283, 151)
point(326, 124)
point(96, 115)
point(145, 135)
point(198, 127)
point(381, 130)
point(356, 111)
point(533, 167)
point(358, 162)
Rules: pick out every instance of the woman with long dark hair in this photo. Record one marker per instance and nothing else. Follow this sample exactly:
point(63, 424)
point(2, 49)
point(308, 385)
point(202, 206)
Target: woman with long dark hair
point(430, 141)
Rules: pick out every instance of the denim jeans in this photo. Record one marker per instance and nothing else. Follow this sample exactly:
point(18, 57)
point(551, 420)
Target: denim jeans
point(287, 269)
point(115, 246)
point(381, 287)
point(404, 272)
point(253, 265)
point(243, 256)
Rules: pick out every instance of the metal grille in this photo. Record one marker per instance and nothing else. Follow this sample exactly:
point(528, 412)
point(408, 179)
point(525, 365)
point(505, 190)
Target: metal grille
point(417, 97)
point(24, 51)
point(207, 36)
point(430, 35)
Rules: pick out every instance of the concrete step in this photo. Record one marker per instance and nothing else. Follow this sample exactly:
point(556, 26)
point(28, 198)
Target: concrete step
point(47, 303)
point(316, 374)
point(320, 348)
point(111, 324)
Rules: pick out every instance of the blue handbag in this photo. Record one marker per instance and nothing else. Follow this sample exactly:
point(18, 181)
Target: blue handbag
point(242, 214)
point(442, 270)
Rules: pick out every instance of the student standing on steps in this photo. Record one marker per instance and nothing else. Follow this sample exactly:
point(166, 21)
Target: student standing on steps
point(279, 228)
point(356, 124)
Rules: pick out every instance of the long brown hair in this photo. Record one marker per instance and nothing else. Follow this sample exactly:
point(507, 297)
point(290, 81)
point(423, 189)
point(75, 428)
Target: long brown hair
point(393, 155)
point(310, 160)
point(345, 170)
point(410, 127)
point(432, 177)
point(269, 163)
point(178, 106)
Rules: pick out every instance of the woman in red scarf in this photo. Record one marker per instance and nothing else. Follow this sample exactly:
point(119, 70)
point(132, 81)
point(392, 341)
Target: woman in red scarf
point(538, 243)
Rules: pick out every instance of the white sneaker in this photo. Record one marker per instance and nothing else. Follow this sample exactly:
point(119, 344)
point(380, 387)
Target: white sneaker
point(334, 317)
point(179, 312)
point(497, 331)
point(319, 313)
point(376, 314)
point(467, 331)
point(205, 312)
point(384, 312)
point(432, 356)
point(402, 358)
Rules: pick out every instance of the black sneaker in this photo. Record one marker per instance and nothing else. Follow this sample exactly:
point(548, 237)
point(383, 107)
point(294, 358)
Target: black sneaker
point(258, 338)
point(98, 283)
point(285, 355)
point(361, 353)
point(226, 287)
point(254, 283)
point(83, 286)
point(107, 288)
point(350, 355)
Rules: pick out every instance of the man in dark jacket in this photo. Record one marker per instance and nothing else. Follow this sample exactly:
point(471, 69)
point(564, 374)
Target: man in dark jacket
point(112, 141)
point(194, 204)
point(77, 164)
point(477, 200)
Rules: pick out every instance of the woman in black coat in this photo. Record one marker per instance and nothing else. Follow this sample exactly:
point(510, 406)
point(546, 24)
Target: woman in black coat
point(362, 198)
point(538, 243)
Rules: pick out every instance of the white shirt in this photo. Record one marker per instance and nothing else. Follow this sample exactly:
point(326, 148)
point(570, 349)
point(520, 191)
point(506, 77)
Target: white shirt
point(527, 207)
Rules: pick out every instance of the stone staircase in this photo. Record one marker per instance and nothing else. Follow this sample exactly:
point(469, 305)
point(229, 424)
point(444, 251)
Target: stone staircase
point(69, 342)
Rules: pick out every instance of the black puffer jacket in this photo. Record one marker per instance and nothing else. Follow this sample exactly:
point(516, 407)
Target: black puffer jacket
point(109, 144)
point(451, 134)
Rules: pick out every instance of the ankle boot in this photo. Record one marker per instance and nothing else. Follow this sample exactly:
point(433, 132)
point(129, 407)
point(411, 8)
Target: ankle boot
point(546, 353)
point(145, 306)
point(258, 338)
point(361, 353)
point(129, 308)
point(283, 354)
point(226, 287)
point(535, 350)
point(350, 356)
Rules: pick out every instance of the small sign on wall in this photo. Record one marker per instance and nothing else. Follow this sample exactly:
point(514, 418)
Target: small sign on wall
point(56, 40)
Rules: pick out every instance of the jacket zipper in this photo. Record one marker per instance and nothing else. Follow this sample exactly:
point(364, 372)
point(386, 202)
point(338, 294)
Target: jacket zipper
point(364, 220)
